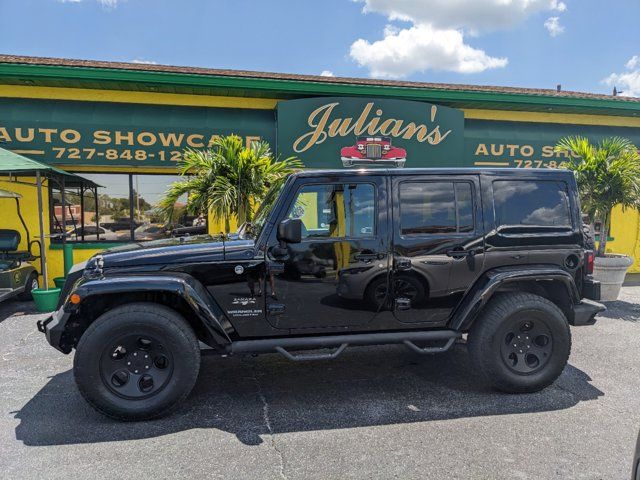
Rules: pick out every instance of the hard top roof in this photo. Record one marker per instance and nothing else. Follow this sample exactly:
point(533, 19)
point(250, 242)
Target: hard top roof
point(511, 172)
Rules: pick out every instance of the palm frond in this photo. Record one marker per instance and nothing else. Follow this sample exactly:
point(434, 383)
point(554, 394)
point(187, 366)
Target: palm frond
point(228, 179)
point(608, 174)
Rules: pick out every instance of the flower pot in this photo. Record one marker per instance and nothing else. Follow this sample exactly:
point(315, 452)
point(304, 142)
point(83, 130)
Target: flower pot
point(59, 281)
point(45, 300)
point(610, 271)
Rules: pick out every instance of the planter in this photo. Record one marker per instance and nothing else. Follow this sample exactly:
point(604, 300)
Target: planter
point(59, 281)
point(45, 300)
point(610, 271)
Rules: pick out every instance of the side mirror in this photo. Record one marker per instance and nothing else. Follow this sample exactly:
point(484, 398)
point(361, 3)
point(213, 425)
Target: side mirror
point(290, 230)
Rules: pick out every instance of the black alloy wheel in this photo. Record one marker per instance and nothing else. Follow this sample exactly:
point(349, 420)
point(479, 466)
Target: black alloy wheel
point(136, 366)
point(527, 345)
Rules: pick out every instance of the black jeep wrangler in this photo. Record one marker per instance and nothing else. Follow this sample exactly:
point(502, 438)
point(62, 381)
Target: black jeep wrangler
point(333, 259)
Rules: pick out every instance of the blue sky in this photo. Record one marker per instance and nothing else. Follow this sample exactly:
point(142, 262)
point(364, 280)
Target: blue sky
point(496, 42)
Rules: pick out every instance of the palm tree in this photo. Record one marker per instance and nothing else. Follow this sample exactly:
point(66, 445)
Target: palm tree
point(608, 174)
point(228, 179)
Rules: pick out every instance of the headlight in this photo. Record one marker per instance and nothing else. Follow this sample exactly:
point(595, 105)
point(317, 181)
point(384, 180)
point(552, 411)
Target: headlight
point(360, 146)
point(387, 147)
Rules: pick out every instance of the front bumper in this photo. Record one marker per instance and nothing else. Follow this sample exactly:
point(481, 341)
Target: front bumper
point(585, 312)
point(53, 328)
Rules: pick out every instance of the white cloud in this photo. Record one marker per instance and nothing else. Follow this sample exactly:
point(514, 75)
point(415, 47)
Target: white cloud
point(627, 83)
point(436, 38)
point(633, 62)
point(143, 61)
point(558, 6)
point(472, 15)
point(421, 48)
point(327, 73)
point(104, 3)
point(552, 24)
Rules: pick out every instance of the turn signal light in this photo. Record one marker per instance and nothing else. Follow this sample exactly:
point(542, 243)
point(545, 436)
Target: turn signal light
point(74, 298)
point(589, 263)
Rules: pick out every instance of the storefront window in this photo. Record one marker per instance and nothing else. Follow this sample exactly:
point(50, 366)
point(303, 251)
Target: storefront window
point(126, 210)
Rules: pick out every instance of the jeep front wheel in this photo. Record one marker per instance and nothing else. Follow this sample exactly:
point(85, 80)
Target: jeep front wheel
point(137, 361)
point(520, 343)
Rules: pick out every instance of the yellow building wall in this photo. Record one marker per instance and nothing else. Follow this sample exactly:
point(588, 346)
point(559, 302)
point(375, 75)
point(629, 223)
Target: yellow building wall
point(217, 226)
point(625, 231)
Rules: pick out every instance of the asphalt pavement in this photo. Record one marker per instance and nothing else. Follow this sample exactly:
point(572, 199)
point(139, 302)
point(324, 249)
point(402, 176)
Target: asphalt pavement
point(375, 412)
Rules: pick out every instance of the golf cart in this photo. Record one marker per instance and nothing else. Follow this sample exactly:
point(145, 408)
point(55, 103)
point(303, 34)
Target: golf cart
point(17, 276)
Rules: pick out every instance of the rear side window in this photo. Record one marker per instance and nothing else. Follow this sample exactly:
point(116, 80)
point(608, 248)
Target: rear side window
point(435, 207)
point(531, 203)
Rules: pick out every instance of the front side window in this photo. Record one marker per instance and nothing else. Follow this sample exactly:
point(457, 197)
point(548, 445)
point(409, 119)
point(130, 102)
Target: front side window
point(436, 208)
point(336, 210)
point(531, 203)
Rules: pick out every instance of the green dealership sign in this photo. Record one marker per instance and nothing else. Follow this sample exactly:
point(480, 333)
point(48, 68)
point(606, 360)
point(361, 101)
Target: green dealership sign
point(327, 132)
point(335, 131)
point(118, 134)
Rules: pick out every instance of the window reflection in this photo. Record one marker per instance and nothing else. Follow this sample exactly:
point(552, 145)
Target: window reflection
point(540, 203)
point(335, 210)
point(436, 207)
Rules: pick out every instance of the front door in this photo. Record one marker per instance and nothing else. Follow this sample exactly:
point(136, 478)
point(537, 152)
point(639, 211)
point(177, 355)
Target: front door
point(324, 281)
point(437, 245)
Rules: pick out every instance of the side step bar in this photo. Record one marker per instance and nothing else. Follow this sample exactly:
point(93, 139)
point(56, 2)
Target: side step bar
point(446, 338)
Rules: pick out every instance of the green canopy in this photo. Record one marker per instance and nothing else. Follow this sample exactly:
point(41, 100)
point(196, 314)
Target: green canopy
point(14, 165)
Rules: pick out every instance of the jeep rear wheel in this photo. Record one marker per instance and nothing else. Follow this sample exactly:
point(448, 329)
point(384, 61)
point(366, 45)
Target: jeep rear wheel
point(137, 361)
point(520, 343)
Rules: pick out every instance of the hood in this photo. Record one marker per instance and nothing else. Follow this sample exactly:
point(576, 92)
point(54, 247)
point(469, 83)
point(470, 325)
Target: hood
point(196, 249)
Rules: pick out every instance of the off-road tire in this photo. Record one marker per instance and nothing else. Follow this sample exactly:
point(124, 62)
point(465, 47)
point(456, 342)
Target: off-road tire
point(28, 286)
point(144, 319)
point(485, 341)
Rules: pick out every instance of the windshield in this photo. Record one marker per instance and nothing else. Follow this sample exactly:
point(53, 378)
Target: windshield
point(253, 229)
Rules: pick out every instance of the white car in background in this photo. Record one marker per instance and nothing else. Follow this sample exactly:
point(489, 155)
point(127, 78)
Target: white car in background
point(91, 233)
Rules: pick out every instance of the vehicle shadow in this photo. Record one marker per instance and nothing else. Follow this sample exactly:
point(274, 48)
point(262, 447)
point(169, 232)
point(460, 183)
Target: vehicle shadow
point(253, 397)
point(14, 306)
point(622, 310)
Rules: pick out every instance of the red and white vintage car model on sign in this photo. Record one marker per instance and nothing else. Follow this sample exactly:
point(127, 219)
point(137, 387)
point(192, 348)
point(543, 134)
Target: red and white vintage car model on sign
point(373, 150)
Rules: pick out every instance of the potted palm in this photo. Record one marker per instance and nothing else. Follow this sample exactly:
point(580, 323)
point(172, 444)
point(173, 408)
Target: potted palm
point(608, 174)
point(228, 179)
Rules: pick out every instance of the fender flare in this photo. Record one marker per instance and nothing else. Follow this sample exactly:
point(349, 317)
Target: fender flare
point(486, 286)
point(204, 307)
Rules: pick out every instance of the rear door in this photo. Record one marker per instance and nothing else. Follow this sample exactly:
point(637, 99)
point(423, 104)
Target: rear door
point(536, 221)
point(438, 245)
